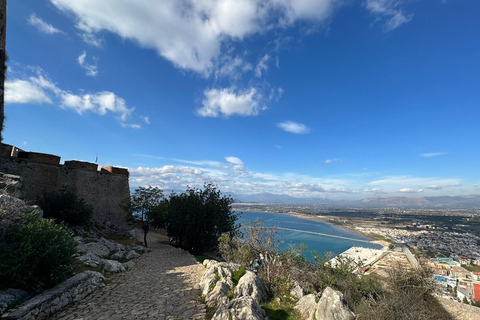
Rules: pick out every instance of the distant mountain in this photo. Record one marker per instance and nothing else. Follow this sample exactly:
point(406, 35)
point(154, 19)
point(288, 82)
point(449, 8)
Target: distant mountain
point(440, 202)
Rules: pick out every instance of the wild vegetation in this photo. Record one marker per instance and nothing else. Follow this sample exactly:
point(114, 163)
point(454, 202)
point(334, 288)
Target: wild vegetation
point(403, 295)
point(65, 206)
point(36, 254)
point(194, 219)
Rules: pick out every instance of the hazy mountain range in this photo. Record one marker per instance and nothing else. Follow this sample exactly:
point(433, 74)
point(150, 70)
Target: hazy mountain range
point(447, 202)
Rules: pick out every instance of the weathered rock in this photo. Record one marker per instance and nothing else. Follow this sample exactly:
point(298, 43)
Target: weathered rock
point(217, 271)
point(251, 285)
point(11, 211)
point(128, 265)
point(78, 240)
point(9, 297)
point(91, 259)
point(243, 308)
point(219, 295)
point(131, 255)
point(138, 248)
point(113, 266)
point(209, 263)
point(117, 255)
point(306, 306)
point(332, 306)
point(297, 291)
point(111, 245)
point(94, 247)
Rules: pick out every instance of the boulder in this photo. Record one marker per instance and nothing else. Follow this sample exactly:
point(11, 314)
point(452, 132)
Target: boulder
point(78, 240)
point(113, 266)
point(250, 284)
point(217, 271)
point(111, 245)
point(207, 263)
point(128, 265)
point(297, 291)
point(306, 306)
point(91, 259)
point(132, 254)
point(219, 295)
point(332, 306)
point(94, 247)
point(117, 255)
point(243, 308)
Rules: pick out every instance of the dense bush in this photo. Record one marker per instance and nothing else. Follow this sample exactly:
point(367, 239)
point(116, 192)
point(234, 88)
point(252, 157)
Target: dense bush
point(37, 252)
point(197, 218)
point(66, 206)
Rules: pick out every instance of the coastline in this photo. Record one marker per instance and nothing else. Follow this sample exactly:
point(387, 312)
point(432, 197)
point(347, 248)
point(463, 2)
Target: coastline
point(327, 219)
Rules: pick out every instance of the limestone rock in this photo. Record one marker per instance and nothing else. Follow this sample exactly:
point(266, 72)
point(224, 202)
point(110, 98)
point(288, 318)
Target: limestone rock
point(332, 306)
point(132, 254)
point(297, 291)
point(91, 259)
point(243, 308)
point(117, 255)
point(251, 285)
point(111, 245)
point(9, 297)
point(94, 247)
point(306, 306)
point(219, 295)
point(128, 265)
point(113, 266)
point(207, 263)
point(78, 240)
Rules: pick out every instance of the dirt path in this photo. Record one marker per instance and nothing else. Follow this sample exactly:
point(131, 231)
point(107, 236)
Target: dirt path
point(162, 285)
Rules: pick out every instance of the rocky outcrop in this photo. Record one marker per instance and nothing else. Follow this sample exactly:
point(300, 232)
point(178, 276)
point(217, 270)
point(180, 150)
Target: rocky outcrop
point(331, 306)
point(250, 284)
point(9, 297)
point(243, 308)
point(217, 287)
point(102, 252)
point(11, 211)
point(297, 291)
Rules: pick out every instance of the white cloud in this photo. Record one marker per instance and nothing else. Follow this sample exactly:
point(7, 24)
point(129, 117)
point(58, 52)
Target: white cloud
point(262, 66)
point(190, 33)
point(278, 147)
point(23, 91)
point(42, 26)
point(228, 101)
point(293, 127)
point(91, 39)
point(147, 120)
point(390, 12)
point(91, 69)
point(333, 160)
point(33, 90)
point(431, 154)
point(409, 190)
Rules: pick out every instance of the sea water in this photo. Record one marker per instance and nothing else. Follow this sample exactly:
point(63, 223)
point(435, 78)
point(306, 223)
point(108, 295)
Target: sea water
point(319, 236)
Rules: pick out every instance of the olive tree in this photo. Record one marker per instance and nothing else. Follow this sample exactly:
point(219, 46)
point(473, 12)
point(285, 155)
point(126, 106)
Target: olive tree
point(147, 204)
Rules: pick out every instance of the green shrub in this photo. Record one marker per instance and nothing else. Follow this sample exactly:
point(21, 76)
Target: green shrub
point(66, 206)
point(237, 274)
point(36, 252)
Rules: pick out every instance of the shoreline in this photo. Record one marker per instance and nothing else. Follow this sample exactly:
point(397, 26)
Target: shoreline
point(325, 219)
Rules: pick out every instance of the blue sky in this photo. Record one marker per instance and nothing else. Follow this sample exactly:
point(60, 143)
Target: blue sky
point(337, 99)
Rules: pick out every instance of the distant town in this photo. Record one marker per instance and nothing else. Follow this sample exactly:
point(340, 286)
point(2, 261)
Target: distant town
point(446, 240)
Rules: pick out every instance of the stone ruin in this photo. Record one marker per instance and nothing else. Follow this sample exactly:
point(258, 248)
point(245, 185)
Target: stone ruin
point(29, 175)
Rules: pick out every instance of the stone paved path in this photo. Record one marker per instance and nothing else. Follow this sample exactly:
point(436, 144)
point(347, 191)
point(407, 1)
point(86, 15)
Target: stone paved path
point(162, 285)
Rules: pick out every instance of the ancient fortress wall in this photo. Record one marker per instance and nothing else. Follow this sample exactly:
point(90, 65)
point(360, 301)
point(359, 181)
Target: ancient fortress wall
point(105, 190)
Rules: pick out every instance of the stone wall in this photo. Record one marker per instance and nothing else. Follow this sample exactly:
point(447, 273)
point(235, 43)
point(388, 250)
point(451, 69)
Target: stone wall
point(105, 190)
point(52, 300)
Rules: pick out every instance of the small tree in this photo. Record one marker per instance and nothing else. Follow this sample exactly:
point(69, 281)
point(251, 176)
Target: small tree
point(197, 218)
point(147, 203)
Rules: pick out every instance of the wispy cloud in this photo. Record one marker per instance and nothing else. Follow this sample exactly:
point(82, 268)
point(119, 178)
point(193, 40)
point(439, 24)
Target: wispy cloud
point(293, 127)
point(390, 12)
point(42, 26)
point(431, 154)
point(262, 66)
point(410, 190)
point(91, 69)
point(333, 160)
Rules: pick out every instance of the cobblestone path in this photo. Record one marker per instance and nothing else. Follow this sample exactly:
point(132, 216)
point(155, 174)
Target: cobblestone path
point(162, 285)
